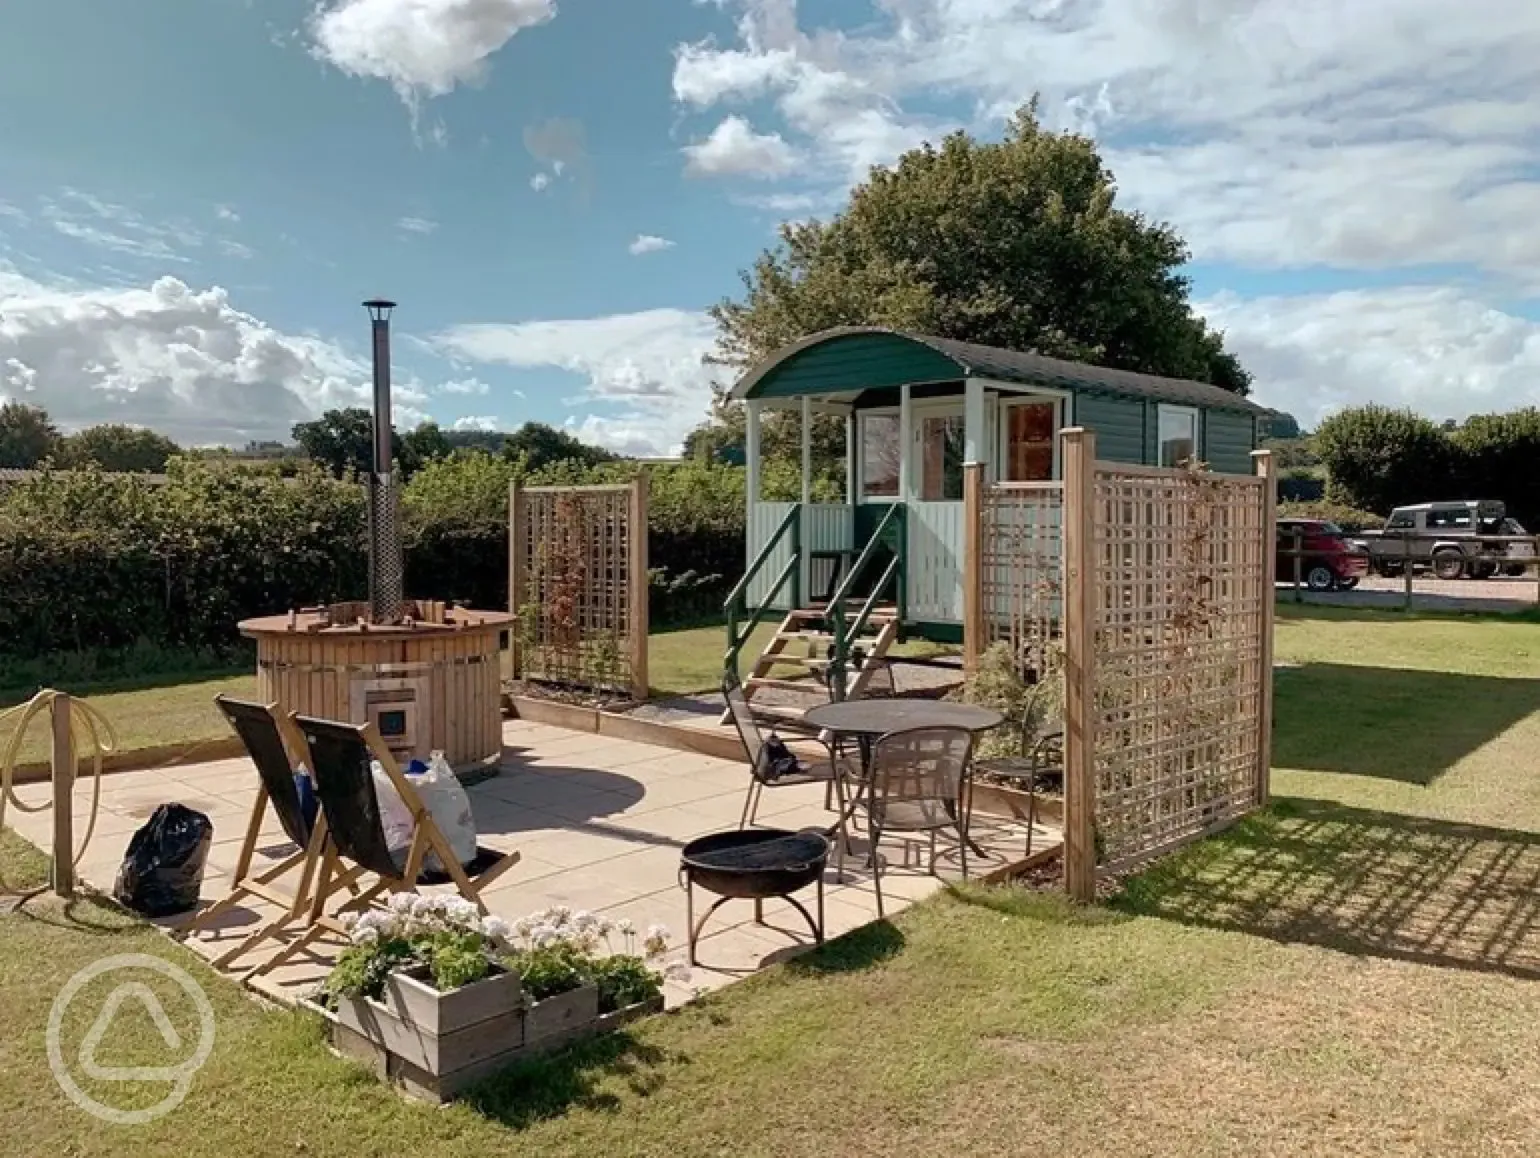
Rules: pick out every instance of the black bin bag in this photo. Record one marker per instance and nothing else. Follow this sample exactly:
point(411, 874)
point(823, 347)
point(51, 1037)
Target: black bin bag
point(162, 872)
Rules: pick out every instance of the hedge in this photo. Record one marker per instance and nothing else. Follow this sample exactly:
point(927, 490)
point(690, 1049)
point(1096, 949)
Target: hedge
point(88, 562)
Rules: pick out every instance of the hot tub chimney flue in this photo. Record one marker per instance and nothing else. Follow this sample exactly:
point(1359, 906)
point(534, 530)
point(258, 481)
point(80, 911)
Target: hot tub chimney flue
point(386, 596)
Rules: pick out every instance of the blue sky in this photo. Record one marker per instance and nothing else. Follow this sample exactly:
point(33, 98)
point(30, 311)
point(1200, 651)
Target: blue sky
point(555, 189)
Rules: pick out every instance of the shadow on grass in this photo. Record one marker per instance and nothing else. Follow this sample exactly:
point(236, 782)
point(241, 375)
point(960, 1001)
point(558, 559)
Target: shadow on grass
point(862, 948)
point(589, 1076)
point(1410, 726)
point(1369, 883)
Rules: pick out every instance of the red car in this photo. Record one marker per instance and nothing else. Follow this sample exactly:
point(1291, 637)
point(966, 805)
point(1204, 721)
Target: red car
point(1327, 561)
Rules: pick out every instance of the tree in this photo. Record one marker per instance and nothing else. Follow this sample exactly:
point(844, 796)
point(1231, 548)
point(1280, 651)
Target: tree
point(27, 436)
point(1016, 244)
point(340, 440)
point(421, 446)
point(1497, 457)
point(541, 445)
point(1281, 424)
point(115, 447)
point(1378, 458)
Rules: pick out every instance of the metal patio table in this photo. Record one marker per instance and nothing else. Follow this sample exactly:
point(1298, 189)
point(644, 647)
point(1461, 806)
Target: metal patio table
point(867, 721)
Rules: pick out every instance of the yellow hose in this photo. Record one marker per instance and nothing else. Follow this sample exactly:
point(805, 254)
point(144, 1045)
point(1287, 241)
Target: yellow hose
point(85, 721)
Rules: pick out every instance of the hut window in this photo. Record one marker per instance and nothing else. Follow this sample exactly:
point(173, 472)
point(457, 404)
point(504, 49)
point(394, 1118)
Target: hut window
point(880, 456)
point(1178, 435)
point(941, 458)
point(1029, 441)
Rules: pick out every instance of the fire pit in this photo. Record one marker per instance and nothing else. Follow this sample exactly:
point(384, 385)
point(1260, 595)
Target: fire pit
point(426, 674)
point(753, 864)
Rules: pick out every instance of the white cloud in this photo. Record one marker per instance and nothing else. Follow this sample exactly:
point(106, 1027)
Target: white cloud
point(226, 213)
point(1273, 132)
point(420, 225)
point(1442, 351)
point(475, 422)
point(560, 146)
point(734, 149)
point(647, 365)
point(463, 386)
point(648, 243)
point(101, 224)
point(235, 249)
point(182, 361)
point(423, 48)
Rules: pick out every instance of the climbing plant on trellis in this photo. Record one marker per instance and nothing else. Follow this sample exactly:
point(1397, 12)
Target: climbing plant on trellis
point(578, 587)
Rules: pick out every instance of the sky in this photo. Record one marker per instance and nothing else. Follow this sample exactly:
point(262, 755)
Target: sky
point(196, 195)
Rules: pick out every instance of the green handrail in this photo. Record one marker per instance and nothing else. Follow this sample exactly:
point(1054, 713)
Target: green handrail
point(735, 605)
point(844, 633)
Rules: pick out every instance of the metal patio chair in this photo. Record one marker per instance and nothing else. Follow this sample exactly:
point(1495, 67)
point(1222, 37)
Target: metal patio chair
point(829, 772)
point(918, 785)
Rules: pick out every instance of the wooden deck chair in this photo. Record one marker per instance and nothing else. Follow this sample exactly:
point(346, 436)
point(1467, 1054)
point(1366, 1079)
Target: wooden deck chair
point(340, 757)
point(271, 743)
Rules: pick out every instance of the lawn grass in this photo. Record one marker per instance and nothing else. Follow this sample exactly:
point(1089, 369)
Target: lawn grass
point(1351, 972)
point(181, 713)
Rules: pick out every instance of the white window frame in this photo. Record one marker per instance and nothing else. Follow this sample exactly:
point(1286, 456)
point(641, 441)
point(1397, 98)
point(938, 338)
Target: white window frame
point(1190, 412)
point(919, 411)
point(1003, 431)
point(859, 489)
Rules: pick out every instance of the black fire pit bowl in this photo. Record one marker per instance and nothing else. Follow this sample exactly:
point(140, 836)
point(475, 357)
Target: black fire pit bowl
point(754, 864)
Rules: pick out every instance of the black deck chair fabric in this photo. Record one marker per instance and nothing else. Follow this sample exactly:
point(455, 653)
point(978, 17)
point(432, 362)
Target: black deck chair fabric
point(345, 785)
point(255, 725)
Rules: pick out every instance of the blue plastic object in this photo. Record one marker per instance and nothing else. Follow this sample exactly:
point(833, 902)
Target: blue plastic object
point(417, 768)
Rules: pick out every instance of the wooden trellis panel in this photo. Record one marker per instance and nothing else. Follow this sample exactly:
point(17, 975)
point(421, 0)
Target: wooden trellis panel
point(1169, 657)
point(1021, 568)
point(578, 584)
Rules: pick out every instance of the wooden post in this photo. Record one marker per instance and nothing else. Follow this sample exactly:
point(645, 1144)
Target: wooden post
point(640, 587)
point(1406, 565)
point(516, 580)
point(1079, 664)
point(1269, 537)
point(63, 753)
point(974, 622)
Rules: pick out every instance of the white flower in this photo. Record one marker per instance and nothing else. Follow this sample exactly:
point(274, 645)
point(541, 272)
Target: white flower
point(366, 936)
point(657, 940)
point(626, 926)
point(494, 929)
point(402, 903)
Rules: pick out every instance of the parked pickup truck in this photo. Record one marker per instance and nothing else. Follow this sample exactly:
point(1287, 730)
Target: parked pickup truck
point(1455, 540)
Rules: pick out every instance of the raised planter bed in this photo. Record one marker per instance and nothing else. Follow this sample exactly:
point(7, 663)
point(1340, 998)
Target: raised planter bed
point(436, 1045)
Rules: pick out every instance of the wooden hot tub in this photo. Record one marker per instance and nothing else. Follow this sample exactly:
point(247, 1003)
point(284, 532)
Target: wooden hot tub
point(428, 684)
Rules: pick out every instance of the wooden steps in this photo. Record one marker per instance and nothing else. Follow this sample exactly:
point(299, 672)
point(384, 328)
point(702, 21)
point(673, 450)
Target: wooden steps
point(803, 642)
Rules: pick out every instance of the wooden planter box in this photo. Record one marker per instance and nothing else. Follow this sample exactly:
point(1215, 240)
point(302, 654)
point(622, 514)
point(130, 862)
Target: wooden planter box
point(436, 1045)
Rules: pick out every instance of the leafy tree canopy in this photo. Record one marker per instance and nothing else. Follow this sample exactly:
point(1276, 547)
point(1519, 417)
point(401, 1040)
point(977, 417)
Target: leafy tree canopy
point(116, 447)
point(1016, 244)
point(27, 436)
point(540, 445)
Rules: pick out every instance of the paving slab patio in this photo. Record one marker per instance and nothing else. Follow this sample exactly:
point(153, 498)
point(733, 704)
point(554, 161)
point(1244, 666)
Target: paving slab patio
point(598, 822)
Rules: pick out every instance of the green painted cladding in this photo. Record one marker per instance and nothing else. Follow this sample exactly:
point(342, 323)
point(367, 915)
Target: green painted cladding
point(1118, 424)
point(855, 362)
point(1230, 439)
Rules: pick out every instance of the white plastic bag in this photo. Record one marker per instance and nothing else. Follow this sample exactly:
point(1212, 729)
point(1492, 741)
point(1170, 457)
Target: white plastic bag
point(450, 807)
point(395, 816)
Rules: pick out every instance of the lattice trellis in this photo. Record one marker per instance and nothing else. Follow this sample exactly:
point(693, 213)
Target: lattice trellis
point(1021, 555)
point(1179, 623)
point(579, 586)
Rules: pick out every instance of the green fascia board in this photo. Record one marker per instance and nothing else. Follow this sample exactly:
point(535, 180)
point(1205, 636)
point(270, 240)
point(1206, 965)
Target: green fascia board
point(852, 360)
